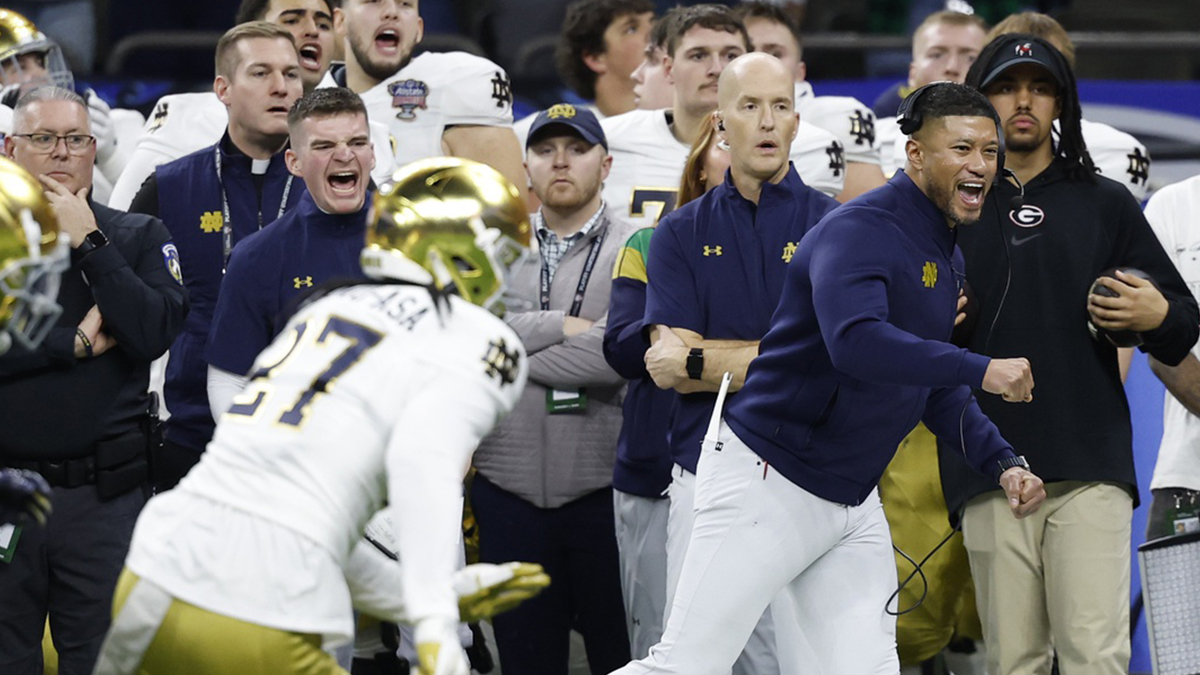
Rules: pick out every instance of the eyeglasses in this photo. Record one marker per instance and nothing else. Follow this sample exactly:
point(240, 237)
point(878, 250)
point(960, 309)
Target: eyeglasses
point(77, 144)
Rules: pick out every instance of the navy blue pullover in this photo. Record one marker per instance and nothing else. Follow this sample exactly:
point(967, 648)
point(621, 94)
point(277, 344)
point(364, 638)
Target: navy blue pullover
point(305, 248)
point(643, 464)
point(717, 266)
point(856, 354)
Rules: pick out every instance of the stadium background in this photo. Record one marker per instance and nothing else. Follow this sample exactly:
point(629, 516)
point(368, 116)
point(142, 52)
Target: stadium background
point(1138, 64)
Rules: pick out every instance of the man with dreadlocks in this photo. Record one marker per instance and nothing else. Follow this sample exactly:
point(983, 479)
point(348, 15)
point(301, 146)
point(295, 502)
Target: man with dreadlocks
point(1031, 261)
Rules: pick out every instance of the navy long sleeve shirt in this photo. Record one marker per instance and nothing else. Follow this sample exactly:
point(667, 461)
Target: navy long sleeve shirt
point(857, 352)
point(643, 464)
point(717, 267)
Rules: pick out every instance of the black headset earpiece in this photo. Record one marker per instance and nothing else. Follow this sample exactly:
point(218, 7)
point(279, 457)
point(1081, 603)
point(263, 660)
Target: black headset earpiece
point(906, 115)
point(720, 125)
point(910, 121)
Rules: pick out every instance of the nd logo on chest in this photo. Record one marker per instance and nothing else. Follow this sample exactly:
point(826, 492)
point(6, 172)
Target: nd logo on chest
point(929, 274)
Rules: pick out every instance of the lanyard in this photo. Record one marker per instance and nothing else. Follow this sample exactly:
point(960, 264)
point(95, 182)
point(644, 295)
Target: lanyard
point(588, 265)
point(226, 223)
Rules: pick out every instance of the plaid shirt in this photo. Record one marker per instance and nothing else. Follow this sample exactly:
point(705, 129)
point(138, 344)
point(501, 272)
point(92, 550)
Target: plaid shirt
point(552, 247)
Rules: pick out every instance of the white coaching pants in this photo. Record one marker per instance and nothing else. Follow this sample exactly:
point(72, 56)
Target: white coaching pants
point(758, 656)
point(757, 536)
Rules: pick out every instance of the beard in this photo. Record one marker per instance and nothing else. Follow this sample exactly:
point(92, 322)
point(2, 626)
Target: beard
point(374, 69)
point(943, 199)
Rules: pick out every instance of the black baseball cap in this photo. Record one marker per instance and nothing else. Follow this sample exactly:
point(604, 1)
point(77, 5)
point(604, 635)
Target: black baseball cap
point(1017, 48)
point(581, 120)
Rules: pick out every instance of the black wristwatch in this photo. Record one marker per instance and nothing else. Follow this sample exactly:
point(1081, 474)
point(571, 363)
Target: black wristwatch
point(94, 240)
point(1008, 463)
point(695, 364)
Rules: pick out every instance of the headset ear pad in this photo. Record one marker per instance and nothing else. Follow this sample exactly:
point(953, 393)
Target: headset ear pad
point(906, 115)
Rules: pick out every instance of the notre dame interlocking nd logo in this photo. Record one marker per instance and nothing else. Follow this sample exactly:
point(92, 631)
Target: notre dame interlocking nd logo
point(789, 250)
point(211, 221)
point(501, 362)
point(929, 274)
point(561, 111)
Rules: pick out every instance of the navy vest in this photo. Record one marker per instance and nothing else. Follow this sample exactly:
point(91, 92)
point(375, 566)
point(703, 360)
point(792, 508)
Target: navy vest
point(191, 205)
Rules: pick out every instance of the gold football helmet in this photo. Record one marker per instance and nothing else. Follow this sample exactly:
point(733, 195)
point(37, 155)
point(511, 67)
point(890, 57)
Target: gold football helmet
point(20, 38)
point(449, 222)
point(32, 257)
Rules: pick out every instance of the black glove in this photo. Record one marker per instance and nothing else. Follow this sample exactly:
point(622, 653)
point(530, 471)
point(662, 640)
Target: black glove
point(23, 494)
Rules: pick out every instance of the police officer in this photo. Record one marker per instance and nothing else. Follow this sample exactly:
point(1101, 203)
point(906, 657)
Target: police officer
point(75, 408)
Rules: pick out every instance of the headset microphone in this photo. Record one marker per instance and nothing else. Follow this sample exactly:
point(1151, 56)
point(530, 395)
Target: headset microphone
point(1018, 201)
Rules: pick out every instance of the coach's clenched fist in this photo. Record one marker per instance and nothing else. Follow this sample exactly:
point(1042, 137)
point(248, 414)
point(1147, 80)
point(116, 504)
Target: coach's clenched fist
point(1012, 379)
point(1025, 491)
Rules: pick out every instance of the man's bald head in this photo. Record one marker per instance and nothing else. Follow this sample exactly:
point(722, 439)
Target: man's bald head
point(755, 69)
point(756, 117)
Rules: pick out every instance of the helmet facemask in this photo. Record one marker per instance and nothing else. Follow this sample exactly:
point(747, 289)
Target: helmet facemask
point(30, 287)
point(17, 71)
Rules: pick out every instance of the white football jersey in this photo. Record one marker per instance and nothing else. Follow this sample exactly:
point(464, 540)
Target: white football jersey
point(1172, 214)
point(851, 122)
point(184, 123)
point(372, 395)
point(648, 164)
point(1118, 156)
point(891, 145)
point(434, 91)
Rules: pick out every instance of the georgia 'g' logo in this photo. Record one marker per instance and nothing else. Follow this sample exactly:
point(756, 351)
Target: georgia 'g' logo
point(1027, 216)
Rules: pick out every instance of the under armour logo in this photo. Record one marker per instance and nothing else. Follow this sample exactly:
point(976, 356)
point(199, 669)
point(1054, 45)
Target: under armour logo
point(789, 250)
point(929, 274)
point(712, 250)
point(837, 158)
point(500, 362)
point(299, 282)
point(1139, 167)
point(1025, 49)
point(211, 221)
point(501, 90)
point(863, 128)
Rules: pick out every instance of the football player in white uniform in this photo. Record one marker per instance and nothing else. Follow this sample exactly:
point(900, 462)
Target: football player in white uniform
point(181, 124)
point(650, 147)
point(435, 104)
point(772, 31)
point(371, 400)
point(29, 59)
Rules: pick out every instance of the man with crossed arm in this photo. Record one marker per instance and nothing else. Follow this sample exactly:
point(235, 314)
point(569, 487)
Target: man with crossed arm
point(716, 271)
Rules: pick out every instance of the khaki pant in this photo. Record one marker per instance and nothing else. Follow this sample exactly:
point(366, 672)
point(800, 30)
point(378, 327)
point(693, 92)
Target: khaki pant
point(155, 634)
point(1054, 582)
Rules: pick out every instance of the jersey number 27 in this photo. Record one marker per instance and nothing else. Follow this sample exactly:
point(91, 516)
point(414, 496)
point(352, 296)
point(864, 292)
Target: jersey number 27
point(357, 339)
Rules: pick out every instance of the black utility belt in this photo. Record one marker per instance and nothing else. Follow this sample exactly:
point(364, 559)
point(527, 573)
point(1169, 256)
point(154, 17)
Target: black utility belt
point(116, 466)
